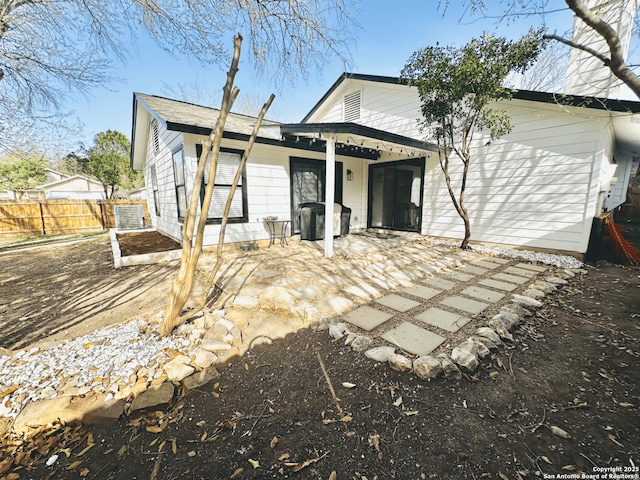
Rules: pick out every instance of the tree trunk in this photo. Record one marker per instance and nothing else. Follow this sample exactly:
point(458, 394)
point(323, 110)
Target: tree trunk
point(227, 208)
point(458, 203)
point(183, 284)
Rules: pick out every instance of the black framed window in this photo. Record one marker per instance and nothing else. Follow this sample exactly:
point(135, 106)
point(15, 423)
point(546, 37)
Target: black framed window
point(154, 186)
point(178, 173)
point(228, 163)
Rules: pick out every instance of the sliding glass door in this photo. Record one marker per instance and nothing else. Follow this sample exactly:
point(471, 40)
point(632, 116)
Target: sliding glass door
point(395, 195)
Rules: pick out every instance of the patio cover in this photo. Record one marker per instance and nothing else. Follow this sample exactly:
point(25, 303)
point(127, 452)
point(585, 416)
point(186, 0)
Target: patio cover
point(365, 141)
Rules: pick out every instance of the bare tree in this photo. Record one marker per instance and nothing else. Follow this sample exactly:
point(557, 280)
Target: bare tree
point(52, 49)
point(612, 57)
point(195, 223)
point(547, 74)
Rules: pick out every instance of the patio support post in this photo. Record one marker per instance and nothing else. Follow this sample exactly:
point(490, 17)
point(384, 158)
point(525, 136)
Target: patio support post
point(330, 182)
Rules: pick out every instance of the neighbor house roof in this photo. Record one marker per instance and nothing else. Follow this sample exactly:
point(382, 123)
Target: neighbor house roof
point(68, 179)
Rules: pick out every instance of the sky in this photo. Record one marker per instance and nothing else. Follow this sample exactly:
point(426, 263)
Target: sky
point(390, 31)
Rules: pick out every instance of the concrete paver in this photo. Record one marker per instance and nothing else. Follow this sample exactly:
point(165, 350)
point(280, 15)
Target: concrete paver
point(510, 278)
point(499, 260)
point(367, 317)
point(489, 282)
point(520, 272)
point(464, 304)
point(413, 339)
point(484, 294)
point(463, 277)
point(532, 266)
point(486, 264)
point(397, 302)
point(421, 291)
point(451, 322)
point(439, 283)
point(472, 270)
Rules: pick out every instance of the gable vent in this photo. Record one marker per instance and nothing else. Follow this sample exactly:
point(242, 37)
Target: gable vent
point(352, 107)
point(155, 135)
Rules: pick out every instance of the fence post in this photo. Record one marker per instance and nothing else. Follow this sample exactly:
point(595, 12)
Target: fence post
point(103, 220)
point(44, 231)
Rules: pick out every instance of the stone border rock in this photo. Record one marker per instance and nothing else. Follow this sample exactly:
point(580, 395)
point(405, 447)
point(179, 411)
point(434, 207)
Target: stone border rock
point(465, 357)
point(186, 363)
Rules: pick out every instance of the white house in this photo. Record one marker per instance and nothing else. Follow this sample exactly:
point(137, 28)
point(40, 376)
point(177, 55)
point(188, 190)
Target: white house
point(539, 186)
point(60, 185)
point(284, 169)
point(63, 186)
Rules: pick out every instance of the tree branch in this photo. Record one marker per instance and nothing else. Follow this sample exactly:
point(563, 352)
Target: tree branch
point(552, 36)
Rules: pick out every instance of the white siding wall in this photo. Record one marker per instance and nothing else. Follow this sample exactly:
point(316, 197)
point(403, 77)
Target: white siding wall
point(538, 186)
point(393, 108)
point(268, 189)
point(167, 222)
point(530, 188)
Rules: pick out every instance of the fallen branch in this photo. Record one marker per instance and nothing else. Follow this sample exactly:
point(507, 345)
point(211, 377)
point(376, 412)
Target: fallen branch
point(249, 432)
point(156, 468)
point(326, 377)
point(511, 366)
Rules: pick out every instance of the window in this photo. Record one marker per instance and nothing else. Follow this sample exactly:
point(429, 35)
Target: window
point(154, 185)
point(228, 163)
point(352, 107)
point(155, 135)
point(178, 173)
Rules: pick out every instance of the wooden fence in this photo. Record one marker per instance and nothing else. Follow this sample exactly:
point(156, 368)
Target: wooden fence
point(24, 218)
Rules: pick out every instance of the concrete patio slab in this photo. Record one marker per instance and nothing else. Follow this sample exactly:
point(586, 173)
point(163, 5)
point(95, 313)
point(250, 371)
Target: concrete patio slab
point(439, 283)
point(489, 282)
point(472, 270)
point(367, 317)
point(486, 264)
point(520, 272)
point(510, 278)
point(464, 304)
point(484, 294)
point(413, 339)
point(397, 302)
point(463, 277)
point(427, 269)
point(421, 291)
point(499, 260)
point(451, 322)
point(531, 266)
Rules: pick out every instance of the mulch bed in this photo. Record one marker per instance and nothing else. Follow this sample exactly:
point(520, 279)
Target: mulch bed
point(138, 243)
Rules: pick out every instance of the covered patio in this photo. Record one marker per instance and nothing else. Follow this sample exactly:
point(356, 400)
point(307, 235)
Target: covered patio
point(369, 144)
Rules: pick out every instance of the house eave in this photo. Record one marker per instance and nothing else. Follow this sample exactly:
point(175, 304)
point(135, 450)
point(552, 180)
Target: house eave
point(366, 137)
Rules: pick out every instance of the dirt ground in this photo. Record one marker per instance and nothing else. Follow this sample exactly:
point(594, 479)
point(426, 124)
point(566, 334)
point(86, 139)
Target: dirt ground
point(272, 414)
point(66, 290)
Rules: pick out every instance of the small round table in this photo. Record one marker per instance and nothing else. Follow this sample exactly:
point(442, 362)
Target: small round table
point(277, 229)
